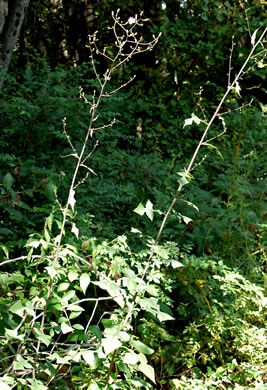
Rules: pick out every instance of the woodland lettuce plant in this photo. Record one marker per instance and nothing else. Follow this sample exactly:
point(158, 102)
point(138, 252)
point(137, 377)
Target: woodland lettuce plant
point(58, 330)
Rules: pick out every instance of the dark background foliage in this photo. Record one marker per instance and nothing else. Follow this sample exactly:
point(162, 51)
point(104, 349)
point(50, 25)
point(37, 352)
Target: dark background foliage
point(139, 157)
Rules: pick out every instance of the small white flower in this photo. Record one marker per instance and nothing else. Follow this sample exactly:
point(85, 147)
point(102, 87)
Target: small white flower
point(131, 20)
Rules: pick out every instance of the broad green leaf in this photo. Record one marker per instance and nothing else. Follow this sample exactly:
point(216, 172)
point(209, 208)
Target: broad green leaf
point(152, 290)
point(194, 119)
point(49, 221)
point(89, 357)
point(5, 231)
point(21, 364)
point(37, 385)
point(74, 314)
point(65, 328)
point(113, 289)
point(42, 337)
point(47, 236)
point(133, 230)
point(52, 272)
point(8, 180)
point(148, 371)
point(4, 386)
point(78, 327)
point(164, 316)
point(131, 358)
point(149, 210)
point(33, 244)
point(110, 344)
point(186, 219)
point(176, 264)
point(140, 209)
point(182, 181)
point(141, 347)
point(162, 252)
point(66, 297)
point(12, 332)
point(5, 250)
point(96, 331)
point(63, 287)
point(74, 307)
point(18, 308)
point(84, 282)
point(73, 275)
point(50, 190)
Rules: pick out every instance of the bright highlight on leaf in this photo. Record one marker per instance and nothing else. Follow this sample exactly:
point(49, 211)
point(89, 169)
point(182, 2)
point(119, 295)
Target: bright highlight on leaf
point(84, 282)
point(193, 119)
point(148, 209)
point(72, 200)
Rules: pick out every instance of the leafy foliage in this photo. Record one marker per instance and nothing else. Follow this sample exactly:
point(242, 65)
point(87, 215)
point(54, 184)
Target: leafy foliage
point(93, 311)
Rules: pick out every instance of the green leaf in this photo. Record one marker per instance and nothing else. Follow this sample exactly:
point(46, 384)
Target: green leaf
point(41, 336)
point(84, 282)
point(18, 308)
point(36, 385)
point(65, 328)
point(133, 230)
point(75, 230)
point(110, 344)
point(8, 180)
point(69, 295)
point(140, 347)
point(63, 287)
point(5, 250)
point(186, 219)
point(184, 179)
point(5, 231)
point(89, 357)
point(33, 244)
point(72, 200)
point(148, 371)
point(4, 386)
point(164, 316)
point(131, 358)
point(140, 209)
point(149, 210)
point(13, 333)
point(193, 119)
point(113, 289)
point(74, 307)
point(73, 275)
point(96, 331)
point(49, 221)
point(20, 363)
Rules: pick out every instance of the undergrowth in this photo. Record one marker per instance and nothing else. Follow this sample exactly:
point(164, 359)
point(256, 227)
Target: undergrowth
point(177, 304)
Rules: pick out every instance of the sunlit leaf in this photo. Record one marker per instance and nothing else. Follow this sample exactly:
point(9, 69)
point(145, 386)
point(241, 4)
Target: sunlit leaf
point(75, 230)
point(84, 282)
point(148, 371)
point(110, 344)
point(65, 328)
point(131, 358)
point(141, 347)
point(72, 200)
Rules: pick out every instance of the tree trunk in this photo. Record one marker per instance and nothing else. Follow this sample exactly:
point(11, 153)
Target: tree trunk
point(12, 14)
point(3, 13)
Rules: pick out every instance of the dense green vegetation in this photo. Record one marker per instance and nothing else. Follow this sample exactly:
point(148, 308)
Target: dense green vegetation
point(92, 297)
